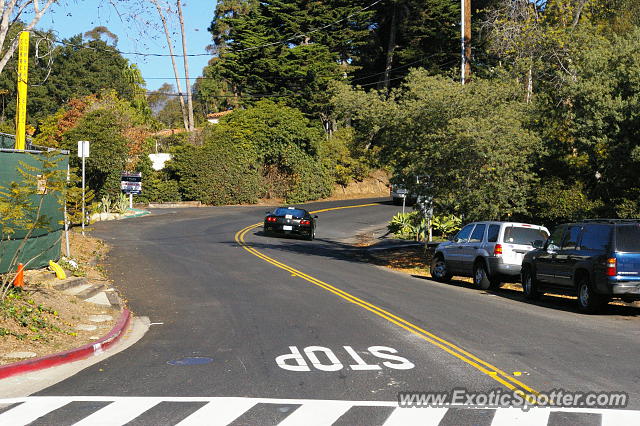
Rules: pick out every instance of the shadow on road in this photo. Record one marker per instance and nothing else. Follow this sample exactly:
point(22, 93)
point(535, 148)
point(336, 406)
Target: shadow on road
point(319, 247)
point(336, 250)
point(551, 301)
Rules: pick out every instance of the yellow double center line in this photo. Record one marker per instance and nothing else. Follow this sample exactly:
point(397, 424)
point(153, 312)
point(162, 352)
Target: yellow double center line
point(483, 366)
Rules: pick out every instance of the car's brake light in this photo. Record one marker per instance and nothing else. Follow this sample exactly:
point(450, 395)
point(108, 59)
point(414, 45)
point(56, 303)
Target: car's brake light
point(271, 219)
point(612, 267)
point(305, 222)
point(497, 249)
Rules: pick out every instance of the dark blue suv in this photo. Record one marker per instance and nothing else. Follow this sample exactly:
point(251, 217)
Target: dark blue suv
point(595, 260)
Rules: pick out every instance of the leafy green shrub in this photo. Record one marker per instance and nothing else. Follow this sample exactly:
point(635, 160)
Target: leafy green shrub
point(158, 186)
point(309, 180)
point(160, 190)
point(557, 202)
point(340, 156)
point(223, 171)
point(446, 224)
point(109, 150)
point(267, 150)
point(409, 226)
point(120, 204)
point(105, 204)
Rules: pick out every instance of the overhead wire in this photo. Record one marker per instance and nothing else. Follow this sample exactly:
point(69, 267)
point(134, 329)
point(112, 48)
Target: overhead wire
point(285, 40)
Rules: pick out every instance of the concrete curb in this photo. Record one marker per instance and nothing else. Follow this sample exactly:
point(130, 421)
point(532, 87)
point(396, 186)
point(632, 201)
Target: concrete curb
point(140, 213)
point(72, 354)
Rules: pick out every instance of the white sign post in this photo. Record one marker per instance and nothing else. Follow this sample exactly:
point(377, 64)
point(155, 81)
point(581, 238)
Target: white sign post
point(83, 152)
point(66, 218)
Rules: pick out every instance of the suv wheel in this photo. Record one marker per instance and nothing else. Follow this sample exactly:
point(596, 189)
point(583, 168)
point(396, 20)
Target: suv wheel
point(589, 301)
point(481, 278)
point(529, 285)
point(439, 271)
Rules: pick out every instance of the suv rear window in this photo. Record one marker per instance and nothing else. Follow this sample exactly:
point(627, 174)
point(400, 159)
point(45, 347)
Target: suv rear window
point(628, 238)
point(524, 236)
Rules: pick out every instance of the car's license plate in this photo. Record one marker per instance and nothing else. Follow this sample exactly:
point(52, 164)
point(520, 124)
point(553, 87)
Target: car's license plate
point(287, 228)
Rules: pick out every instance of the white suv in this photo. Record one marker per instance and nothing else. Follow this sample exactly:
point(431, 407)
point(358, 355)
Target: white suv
point(490, 252)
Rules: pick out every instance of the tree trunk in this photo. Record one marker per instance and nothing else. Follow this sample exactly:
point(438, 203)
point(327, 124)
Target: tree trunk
point(529, 84)
point(175, 67)
point(186, 67)
point(391, 46)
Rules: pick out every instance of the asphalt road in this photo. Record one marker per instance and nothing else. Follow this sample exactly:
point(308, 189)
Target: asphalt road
point(305, 332)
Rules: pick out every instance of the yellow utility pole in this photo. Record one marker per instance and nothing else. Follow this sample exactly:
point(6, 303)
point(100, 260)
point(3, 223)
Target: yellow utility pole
point(23, 73)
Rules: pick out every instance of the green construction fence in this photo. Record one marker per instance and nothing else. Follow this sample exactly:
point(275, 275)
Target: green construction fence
point(43, 244)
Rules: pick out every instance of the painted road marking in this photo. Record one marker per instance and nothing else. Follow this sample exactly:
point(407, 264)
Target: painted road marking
point(316, 413)
point(412, 416)
point(295, 360)
point(118, 413)
point(484, 367)
point(223, 410)
point(30, 410)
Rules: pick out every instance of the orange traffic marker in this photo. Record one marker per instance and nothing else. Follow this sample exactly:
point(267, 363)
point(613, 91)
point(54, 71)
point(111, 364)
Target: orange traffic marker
point(18, 281)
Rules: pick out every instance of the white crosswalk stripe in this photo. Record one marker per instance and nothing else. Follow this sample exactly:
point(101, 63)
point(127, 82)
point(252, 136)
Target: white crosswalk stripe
point(119, 412)
point(220, 412)
point(317, 413)
point(224, 410)
point(413, 416)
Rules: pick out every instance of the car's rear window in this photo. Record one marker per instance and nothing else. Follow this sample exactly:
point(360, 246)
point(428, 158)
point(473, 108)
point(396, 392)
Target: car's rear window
point(628, 238)
point(524, 236)
point(282, 211)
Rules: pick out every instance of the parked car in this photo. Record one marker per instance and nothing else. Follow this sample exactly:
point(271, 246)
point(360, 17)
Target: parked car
point(399, 193)
point(490, 252)
point(291, 221)
point(596, 260)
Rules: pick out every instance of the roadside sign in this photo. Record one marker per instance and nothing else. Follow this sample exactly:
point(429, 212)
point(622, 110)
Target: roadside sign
point(83, 149)
point(131, 183)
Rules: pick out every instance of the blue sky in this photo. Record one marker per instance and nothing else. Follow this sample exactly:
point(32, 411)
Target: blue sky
point(73, 17)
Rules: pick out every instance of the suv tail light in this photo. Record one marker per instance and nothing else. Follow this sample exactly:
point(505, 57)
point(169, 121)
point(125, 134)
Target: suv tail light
point(497, 250)
point(612, 267)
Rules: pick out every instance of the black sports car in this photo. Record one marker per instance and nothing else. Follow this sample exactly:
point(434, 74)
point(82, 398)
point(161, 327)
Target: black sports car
point(291, 221)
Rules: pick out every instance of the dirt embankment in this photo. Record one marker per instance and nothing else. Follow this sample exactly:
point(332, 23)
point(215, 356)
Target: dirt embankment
point(376, 185)
point(50, 315)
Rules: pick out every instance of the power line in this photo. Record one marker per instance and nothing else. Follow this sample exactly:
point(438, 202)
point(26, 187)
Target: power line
point(266, 95)
point(285, 40)
point(396, 68)
point(315, 30)
point(396, 78)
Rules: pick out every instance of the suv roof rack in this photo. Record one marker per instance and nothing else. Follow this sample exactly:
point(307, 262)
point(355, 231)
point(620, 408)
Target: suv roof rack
point(612, 220)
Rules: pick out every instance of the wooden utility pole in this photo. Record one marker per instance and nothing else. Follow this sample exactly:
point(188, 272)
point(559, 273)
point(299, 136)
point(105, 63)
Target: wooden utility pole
point(391, 46)
point(186, 67)
point(465, 7)
point(185, 116)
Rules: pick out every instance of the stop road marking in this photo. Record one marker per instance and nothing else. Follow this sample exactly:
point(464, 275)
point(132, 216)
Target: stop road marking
point(324, 359)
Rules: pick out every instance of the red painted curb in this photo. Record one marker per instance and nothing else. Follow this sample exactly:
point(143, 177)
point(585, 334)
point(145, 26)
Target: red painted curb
point(72, 354)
